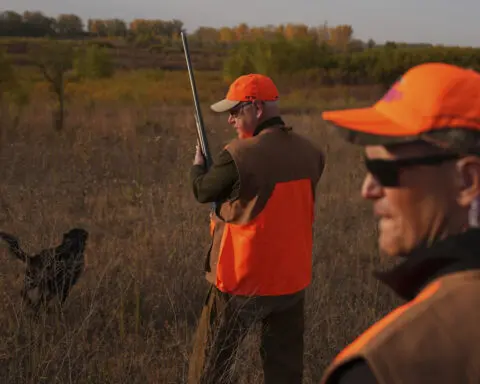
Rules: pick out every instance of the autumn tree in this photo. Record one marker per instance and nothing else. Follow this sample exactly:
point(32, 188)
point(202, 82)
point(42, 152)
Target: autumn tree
point(296, 31)
point(154, 27)
point(276, 57)
point(36, 24)
point(340, 36)
point(270, 32)
point(256, 33)
point(280, 30)
point(69, 25)
point(97, 27)
point(322, 32)
point(207, 35)
point(54, 60)
point(226, 35)
point(242, 31)
point(116, 27)
point(141, 27)
point(174, 28)
point(371, 43)
point(11, 24)
point(107, 27)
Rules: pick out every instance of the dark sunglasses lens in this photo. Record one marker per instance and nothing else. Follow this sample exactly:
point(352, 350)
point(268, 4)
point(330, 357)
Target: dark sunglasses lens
point(385, 172)
point(236, 110)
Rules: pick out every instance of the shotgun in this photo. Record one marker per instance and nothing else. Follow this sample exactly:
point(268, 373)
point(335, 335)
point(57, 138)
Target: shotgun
point(202, 137)
point(201, 134)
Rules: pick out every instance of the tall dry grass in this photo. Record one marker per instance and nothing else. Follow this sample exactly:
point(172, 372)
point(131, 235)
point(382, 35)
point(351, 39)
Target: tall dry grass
point(121, 171)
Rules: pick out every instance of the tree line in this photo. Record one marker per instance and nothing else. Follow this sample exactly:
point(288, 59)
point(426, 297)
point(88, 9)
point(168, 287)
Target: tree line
point(37, 24)
point(322, 64)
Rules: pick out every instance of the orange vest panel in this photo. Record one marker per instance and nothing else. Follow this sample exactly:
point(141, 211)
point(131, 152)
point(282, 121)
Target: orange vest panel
point(272, 254)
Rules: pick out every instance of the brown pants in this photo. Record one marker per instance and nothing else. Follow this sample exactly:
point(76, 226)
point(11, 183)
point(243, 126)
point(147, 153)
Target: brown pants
point(224, 322)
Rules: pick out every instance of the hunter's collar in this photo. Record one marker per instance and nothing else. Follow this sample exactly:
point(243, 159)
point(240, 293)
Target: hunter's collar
point(423, 265)
point(277, 120)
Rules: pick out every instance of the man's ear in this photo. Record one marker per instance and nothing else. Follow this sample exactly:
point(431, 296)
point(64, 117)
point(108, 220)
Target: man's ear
point(469, 174)
point(259, 108)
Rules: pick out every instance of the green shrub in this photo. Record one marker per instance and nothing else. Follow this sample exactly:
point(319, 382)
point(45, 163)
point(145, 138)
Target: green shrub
point(93, 62)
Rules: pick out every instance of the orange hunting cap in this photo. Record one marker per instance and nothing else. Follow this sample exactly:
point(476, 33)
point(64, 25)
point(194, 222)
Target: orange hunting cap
point(432, 102)
point(247, 88)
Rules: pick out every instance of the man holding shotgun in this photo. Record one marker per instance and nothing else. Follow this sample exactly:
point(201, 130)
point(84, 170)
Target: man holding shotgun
point(259, 263)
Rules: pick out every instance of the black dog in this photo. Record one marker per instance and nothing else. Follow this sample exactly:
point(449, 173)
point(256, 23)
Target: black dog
point(52, 272)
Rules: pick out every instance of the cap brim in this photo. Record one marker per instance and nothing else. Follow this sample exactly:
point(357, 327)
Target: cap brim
point(224, 105)
point(368, 126)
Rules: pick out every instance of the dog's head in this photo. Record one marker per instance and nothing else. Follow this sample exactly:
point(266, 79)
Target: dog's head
point(75, 237)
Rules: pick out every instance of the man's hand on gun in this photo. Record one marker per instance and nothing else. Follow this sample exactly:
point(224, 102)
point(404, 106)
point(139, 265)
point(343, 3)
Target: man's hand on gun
point(199, 158)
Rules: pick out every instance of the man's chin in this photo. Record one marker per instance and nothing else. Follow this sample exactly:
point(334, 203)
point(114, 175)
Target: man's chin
point(387, 247)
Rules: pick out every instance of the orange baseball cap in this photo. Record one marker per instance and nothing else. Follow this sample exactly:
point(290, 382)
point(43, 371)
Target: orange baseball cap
point(247, 88)
point(428, 99)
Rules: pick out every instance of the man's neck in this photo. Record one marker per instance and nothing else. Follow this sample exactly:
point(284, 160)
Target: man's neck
point(424, 264)
point(269, 122)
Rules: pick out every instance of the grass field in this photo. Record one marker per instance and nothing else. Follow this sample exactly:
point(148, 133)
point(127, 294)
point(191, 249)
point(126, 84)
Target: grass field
point(120, 169)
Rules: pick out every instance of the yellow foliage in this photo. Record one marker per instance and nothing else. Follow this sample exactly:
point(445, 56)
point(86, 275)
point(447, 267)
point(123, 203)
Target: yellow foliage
point(147, 86)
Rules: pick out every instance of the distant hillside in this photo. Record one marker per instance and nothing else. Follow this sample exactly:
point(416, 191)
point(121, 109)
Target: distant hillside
point(127, 56)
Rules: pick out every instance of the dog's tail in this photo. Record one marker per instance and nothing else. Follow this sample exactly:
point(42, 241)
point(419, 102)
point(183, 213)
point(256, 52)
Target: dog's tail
point(13, 246)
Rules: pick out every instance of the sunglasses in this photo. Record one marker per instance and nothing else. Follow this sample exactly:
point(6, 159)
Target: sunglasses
point(387, 172)
point(236, 110)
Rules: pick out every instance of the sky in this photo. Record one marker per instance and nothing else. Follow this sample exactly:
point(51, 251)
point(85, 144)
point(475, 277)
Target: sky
point(448, 22)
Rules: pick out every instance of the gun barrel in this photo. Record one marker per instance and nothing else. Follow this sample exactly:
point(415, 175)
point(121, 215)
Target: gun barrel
point(202, 137)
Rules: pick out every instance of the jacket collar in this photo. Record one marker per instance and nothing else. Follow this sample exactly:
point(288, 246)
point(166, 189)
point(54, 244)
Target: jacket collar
point(277, 120)
point(425, 264)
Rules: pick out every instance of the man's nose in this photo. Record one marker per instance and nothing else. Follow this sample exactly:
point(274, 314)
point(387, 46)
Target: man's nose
point(371, 188)
point(231, 119)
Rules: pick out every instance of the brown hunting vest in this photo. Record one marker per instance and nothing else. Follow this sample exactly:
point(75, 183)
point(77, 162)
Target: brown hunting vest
point(262, 241)
point(435, 336)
